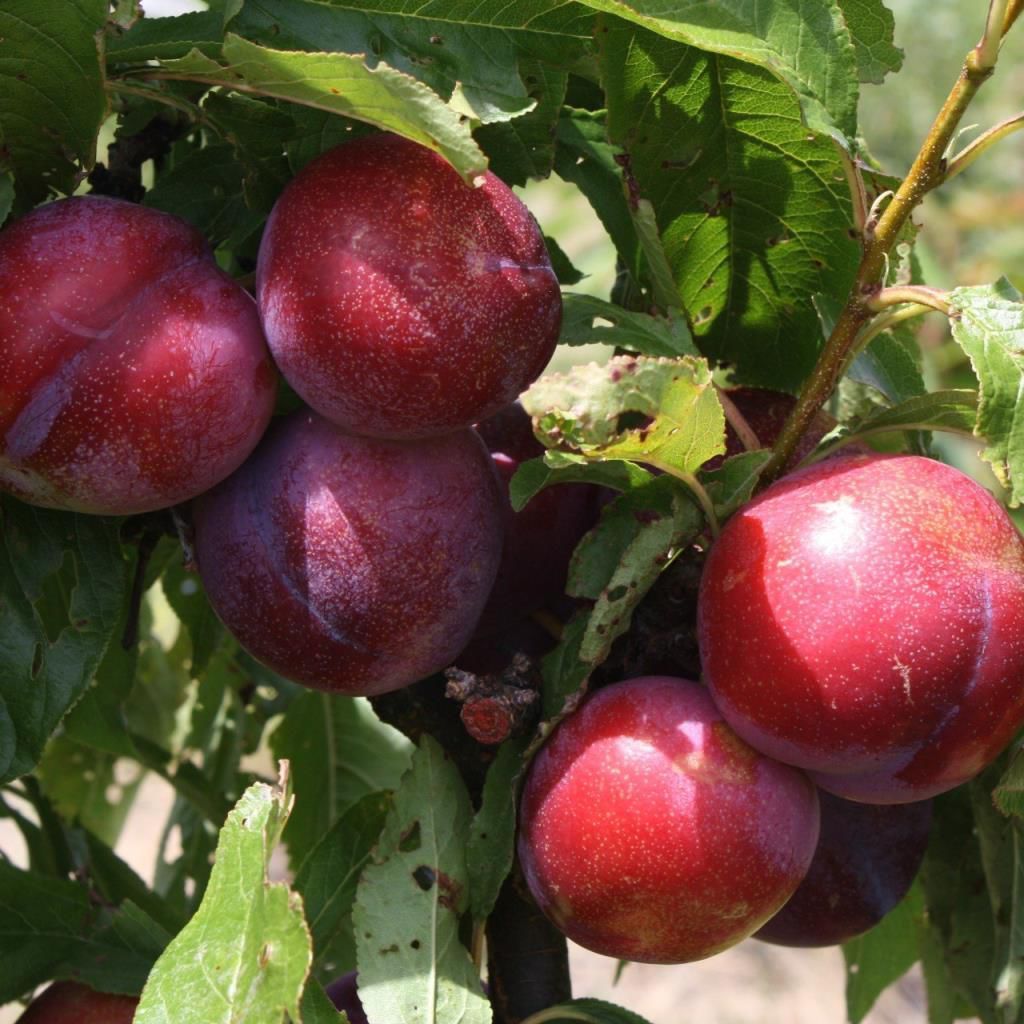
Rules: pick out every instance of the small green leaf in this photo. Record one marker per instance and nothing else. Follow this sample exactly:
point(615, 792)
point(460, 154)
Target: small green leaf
point(341, 83)
point(733, 483)
point(1008, 795)
point(556, 467)
point(167, 38)
point(638, 332)
point(490, 849)
point(328, 876)
point(246, 953)
point(185, 594)
point(683, 423)
point(563, 670)
point(411, 895)
point(883, 955)
point(339, 751)
point(317, 1008)
point(6, 196)
point(952, 410)
point(988, 324)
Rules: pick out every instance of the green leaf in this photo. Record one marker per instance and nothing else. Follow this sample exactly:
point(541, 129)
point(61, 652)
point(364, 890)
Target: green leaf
point(591, 1011)
point(802, 43)
point(988, 324)
point(246, 953)
point(6, 196)
point(62, 588)
point(585, 158)
point(524, 147)
point(732, 484)
point(753, 209)
point(476, 64)
point(953, 410)
point(167, 38)
point(491, 846)
point(1008, 796)
point(871, 25)
point(52, 77)
point(891, 364)
point(563, 671)
point(317, 1008)
point(342, 84)
point(883, 955)
point(556, 467)
point(328, 876)
point(622, 557)
point(638, 332)
point(684, 423)
point(339, 751)
point(412, 966)
point(185, 594)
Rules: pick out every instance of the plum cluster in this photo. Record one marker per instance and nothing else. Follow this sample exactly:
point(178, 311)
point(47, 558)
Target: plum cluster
point(861, 636)
point(352, 545)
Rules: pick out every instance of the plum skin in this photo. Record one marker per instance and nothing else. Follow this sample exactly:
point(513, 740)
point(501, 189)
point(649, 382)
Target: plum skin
point(343, 993)
point(650, 832)
point(399, 301)
point(351, 564)
point(866, 860)
point(863, 619)
point(136, 374)
point(71, 1002)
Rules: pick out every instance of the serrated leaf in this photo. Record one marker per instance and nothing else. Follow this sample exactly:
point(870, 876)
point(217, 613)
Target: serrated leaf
point(52, 76)
point(642, 333)
point(339, 751)
point(871, 26)
point(63, 583)
point(684, 423)
point(491, 844)
point(891, 364)
point(556, 467)
point(591, 1011)
point(988, 324)
point(245, 955)
point(167, 38)
point(883, 955)
point(586, 158)
point(753, 209)
point(474, 64)
point(563, 671)
point(802, 43)
point(732, 484)
point(953, 410)
point(411, 964)
point(328, 876)
point(524, 147)
point(341, 83)
point(622, 557)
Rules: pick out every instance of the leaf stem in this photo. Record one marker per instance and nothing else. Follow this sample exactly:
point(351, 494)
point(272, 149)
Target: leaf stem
point(916, 294)
point(927, 171)
point(737, 421)
point(983, 142)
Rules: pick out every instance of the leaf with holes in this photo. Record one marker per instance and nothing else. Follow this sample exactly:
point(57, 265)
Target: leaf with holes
point(411, 895)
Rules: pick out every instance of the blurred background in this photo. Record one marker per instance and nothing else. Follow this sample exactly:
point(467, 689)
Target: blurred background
point(972, 233)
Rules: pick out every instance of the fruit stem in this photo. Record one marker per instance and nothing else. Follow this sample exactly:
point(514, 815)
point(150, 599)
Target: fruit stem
point(983, 142)
point(926, 173)
point(737, 421)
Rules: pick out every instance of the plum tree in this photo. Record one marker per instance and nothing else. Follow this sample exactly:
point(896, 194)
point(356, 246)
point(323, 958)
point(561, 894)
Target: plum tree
point(135, 371)
point(864, 619)
point(348, 563)
point(342, 992)
point(399, 301)
point(649, 831)
point(71, 1002)
point(866, 861)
